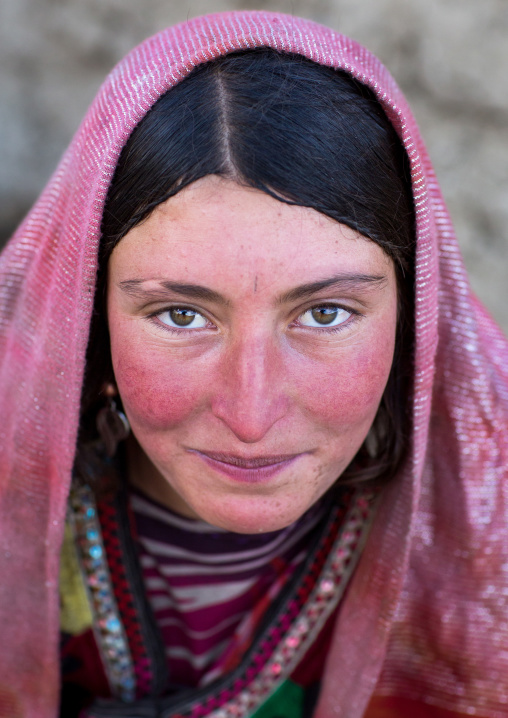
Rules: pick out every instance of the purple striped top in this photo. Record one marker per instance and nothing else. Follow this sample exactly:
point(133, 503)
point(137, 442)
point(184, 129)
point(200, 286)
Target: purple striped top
point(208, 587)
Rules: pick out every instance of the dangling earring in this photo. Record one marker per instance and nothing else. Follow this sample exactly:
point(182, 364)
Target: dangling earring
point(112, 424)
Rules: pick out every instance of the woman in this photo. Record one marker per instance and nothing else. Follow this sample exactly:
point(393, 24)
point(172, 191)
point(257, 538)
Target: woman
point(248, 394)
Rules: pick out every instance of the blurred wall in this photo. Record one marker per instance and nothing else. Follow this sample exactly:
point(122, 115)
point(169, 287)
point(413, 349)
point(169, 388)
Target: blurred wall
point(449, 56)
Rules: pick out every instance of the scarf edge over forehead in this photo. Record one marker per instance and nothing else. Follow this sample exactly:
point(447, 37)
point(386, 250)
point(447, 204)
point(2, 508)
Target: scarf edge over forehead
point(432, 586)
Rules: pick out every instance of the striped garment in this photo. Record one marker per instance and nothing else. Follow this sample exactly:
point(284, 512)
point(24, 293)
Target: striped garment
point(209, 588)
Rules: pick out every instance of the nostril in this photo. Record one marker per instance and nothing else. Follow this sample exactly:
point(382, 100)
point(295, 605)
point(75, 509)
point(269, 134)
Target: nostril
point(250, 418)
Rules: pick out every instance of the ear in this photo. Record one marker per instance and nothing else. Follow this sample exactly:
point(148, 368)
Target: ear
point(109, 390)
point(112, 424)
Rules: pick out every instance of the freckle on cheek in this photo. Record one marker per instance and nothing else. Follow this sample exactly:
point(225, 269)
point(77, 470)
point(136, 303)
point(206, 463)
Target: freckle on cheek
point(346, 392)
point(154, 399)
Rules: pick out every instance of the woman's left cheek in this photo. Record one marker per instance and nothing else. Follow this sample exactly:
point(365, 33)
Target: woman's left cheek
point(346, 391)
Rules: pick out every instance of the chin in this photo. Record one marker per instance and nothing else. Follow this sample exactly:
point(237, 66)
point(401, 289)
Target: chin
point(252, 515)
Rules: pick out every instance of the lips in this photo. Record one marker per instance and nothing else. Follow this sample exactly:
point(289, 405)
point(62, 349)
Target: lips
point(254, 469)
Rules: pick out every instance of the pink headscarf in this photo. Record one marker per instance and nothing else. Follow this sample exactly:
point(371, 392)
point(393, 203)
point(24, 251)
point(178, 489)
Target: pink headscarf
point(426, 615)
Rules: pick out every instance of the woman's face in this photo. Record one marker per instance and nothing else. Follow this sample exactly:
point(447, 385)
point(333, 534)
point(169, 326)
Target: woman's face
point(251, 343)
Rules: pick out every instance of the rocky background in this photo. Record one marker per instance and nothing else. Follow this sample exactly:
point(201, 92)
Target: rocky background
point(449, 56)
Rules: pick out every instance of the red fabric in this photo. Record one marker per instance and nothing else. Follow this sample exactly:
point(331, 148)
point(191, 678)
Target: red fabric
point(81, 657)
point(403, 708)
point(426, 615)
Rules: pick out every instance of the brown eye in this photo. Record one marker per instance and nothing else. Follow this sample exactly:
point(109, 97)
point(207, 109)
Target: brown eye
point(182, 317)
point(324, 316)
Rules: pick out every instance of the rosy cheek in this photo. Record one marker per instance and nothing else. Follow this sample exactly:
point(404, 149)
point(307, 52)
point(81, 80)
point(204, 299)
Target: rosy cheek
point(155, 395)
point(347, 391)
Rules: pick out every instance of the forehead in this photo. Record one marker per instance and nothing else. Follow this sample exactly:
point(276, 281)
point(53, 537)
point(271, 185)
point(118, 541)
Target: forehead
point(217, 230)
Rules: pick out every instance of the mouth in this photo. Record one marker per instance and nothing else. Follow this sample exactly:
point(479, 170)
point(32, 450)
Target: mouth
point(250, 470)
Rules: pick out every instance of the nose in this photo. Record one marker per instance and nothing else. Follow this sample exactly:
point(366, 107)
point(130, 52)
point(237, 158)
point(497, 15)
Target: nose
point(251, 398)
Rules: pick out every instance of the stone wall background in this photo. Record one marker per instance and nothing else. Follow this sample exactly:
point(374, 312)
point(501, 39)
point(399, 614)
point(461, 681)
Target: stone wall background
point(449, 56)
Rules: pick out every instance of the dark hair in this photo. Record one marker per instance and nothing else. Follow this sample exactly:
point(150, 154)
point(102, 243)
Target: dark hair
point(303, 133)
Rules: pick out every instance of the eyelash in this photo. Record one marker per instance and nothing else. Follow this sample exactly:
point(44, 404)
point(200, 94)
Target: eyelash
point(154, 318)
point(355, 315)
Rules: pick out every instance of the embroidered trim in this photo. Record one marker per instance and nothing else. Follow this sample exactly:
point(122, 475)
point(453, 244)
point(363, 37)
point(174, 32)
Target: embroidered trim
point(107, 513)
point(293, 629)
point(275, 666)
point(288, 640)
point(108, 628)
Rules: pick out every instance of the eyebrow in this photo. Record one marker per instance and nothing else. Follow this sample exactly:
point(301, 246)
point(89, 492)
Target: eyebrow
point(133, 288)
point(347, 282)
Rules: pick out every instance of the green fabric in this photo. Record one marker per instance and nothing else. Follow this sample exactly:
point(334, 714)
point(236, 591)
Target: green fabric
point(286, 702)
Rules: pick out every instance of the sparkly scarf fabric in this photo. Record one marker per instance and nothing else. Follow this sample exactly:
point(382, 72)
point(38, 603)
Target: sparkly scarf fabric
point(426, 615)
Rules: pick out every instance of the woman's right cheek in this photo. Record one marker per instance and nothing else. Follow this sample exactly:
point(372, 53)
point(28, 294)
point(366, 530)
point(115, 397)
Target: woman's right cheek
point(158, 396)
